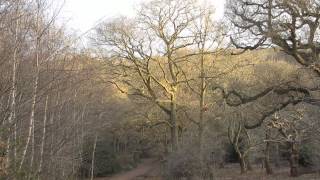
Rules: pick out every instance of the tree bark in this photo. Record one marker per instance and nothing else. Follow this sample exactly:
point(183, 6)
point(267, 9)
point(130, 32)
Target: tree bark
point(202, 106)
point(267, 154)
point(12, 115)
point(93, 157)
point(277, 158)
point(294, 159)
point(43, 138)
point(243, 165)
point(31, 121)
point(248, 163)
point(30, 136)
point(173, 120)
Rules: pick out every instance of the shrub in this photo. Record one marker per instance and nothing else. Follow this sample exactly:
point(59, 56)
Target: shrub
point(107, 162)
point(305, 156)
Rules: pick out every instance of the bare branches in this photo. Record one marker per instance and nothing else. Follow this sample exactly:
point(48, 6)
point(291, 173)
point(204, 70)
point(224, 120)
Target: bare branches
point(290, 25)
point(293, 95)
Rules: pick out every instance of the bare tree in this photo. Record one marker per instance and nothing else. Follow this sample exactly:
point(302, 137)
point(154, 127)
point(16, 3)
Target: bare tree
point(241, 141)
point(208, 33)
point(291, 25)
point(12, 116)
point(149, 51)
point(38, 38)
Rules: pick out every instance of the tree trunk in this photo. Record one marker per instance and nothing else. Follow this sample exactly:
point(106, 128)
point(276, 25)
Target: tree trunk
point(34, 94)
point(166, 142)
point(277, 158)
point(82, 130)
point(202, 105)
point(43, 138)
point(201, 158)
point(173, 120)
point(52, 133)
point(31, 121)
point(249, 167)
point(267, 164)
point(294, 159)
point(12, 115)
point(267, 154)
point(243, 165)
point(93, 157)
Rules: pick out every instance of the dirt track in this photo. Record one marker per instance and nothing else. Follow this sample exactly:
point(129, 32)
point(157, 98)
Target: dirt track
point(147, 168)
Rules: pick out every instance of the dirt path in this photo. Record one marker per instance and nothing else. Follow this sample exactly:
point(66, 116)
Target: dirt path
point(146, 168)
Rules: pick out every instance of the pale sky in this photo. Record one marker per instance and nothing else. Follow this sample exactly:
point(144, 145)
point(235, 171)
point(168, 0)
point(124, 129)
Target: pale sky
point(84, 14)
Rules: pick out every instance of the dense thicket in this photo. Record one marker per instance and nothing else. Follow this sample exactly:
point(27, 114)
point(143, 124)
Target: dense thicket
point(44, 97)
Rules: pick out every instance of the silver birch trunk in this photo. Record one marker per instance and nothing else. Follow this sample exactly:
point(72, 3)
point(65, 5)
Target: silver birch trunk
point(43, 138)
point(12, 115)
point(30, 136)
point(93, 157)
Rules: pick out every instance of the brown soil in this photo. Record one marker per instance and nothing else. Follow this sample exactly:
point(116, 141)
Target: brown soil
point(148, 169)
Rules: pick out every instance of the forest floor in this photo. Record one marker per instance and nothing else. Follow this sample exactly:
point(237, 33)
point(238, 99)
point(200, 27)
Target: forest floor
point(232, 172)
point(149, 169)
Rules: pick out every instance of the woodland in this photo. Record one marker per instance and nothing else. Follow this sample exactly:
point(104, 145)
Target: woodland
point(196, 96)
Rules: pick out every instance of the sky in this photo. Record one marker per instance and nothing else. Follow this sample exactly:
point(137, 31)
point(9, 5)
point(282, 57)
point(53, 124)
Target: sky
point(81, 15)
